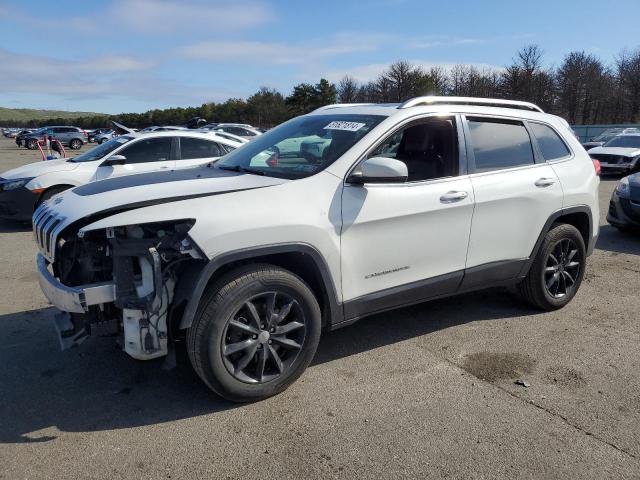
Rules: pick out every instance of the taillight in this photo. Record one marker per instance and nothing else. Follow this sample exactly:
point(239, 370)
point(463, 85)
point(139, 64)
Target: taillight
point(85, 133)
point(273, 160)
point(596, 166)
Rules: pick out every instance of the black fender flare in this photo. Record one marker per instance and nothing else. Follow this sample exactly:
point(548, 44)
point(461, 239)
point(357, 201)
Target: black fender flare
point(547, 226)
point(335, 307)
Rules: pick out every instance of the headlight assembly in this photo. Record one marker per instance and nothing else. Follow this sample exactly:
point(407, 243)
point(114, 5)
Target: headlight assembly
point(14, 184)
point(622, 189)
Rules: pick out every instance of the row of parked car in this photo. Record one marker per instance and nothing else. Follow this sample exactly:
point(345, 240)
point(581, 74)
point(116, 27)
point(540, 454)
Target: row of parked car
point(76, 137)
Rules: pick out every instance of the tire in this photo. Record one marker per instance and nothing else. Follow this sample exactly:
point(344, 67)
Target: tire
point(212, 333)
point(32, 144)
point(50, 192)
point(102, 140)
point(553, 279)
point(75, 144)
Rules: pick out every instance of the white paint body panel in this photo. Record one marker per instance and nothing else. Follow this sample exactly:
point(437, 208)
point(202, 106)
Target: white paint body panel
point(510, 212)
point(404, 229)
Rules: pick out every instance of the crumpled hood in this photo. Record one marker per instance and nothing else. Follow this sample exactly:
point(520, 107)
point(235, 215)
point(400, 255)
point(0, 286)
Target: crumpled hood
point(120, 194)
point(624, 152)
point(39, 168)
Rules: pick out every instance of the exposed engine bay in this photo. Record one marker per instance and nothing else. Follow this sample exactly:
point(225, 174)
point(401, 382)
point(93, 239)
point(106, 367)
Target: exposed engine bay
point(142, 263)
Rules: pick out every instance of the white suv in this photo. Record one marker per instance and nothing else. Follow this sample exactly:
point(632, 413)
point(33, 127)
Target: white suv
point(249, 260)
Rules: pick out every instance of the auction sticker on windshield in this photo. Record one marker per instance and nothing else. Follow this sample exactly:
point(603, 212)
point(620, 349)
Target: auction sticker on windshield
point(348, 126)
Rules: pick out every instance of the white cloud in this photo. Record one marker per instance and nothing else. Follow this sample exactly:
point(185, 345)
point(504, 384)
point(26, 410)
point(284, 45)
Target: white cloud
point(98, 78)
point(163, 16)
point(153, 17)
point(280, 53)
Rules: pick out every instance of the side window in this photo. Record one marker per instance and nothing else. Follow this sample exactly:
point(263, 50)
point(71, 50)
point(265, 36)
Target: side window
point(428, 148)
point(550, 143)
point(199, 148)
point(499, 144)
point(235, 131)
point(149, 150)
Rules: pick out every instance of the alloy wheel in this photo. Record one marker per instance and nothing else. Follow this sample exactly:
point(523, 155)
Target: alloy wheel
point(264, 337)
point(562, 269)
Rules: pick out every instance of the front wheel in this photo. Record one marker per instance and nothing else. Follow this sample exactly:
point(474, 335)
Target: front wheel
point(32, 144)
point(255, 332)
point(557, 270)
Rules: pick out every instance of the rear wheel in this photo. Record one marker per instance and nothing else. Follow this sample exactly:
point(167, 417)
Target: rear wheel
point(557, 270)
point(32, 144)
point(75, 144)
point(102, 140)
point(255, 332)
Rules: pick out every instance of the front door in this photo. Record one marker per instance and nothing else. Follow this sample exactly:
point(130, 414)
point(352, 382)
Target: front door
point(141, 156)
point(403, 243)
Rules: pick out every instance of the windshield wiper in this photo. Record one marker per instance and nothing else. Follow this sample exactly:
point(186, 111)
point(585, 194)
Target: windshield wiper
point(238, 168)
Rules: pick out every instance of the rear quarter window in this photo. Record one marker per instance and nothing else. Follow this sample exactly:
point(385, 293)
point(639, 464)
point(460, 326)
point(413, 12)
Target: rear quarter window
point(550, 143)
point(499, 144)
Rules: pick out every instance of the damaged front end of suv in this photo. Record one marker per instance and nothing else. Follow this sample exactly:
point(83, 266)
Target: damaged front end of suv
point(114, 281)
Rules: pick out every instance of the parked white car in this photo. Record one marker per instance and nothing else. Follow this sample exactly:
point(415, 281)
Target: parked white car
point(621, 154)
point(249, 260)
point(24, 188)
point(240, 129)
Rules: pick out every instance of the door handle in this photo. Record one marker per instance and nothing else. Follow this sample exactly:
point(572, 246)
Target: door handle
point(544, 182)
point(453, 196)
point(162, 168)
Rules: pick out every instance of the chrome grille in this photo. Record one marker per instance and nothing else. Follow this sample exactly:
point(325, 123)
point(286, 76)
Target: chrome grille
point(46, 227)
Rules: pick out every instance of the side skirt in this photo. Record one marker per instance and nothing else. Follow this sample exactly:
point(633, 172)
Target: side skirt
point(476, 278)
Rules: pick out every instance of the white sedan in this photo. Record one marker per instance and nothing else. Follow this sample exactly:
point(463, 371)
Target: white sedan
point(24, 188)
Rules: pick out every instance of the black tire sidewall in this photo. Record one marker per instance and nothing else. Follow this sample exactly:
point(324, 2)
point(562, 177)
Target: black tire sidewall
point(216, 315)
point(556, 234)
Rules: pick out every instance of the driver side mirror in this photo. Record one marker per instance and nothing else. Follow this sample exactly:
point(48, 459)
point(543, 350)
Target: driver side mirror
point(380, 170)
point(114, 160)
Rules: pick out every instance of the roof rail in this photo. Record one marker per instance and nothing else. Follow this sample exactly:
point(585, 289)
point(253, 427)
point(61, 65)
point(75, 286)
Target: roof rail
point(342, 105)
point(481, 102)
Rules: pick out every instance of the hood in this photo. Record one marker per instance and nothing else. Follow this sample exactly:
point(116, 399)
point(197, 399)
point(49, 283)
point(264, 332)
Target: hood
point(109, 197)
point(623, 152)
point(39, 168)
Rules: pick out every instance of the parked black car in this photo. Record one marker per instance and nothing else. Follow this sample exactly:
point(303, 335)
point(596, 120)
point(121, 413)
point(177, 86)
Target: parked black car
point(624, 207)
point(22, 134)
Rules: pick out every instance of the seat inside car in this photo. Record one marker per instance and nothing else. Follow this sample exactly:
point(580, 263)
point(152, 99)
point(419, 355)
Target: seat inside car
point(428, 149)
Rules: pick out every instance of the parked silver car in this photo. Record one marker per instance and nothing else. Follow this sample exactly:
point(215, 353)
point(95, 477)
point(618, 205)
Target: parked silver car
point(73, 137)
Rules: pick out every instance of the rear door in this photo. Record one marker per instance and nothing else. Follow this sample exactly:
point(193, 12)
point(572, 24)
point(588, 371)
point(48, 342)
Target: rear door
point(516, 192)
point(197, 151)
point(143, 155)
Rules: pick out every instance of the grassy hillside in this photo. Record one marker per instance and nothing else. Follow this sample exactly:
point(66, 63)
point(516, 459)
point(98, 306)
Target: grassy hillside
point(26, 114)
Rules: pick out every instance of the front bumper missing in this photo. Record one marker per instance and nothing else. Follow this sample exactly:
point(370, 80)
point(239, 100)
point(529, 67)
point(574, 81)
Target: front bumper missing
point(72, 299)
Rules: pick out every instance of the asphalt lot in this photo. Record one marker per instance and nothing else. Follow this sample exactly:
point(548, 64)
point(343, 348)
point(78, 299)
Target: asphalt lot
point(422, 392)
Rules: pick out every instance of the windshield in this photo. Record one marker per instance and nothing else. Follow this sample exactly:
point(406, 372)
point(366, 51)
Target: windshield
point(624, 141)
point(101, 150)
point(301, 147)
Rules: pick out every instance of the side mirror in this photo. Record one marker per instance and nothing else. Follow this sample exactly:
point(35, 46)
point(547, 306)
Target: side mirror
point(114, 160)
point(380, 170)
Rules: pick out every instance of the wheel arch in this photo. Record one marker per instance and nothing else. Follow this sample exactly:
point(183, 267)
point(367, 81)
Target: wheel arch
point(300, 258)
point(59, 186)
point(579, 216)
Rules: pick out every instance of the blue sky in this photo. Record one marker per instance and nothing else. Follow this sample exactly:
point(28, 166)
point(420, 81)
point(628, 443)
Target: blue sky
point(133, 55)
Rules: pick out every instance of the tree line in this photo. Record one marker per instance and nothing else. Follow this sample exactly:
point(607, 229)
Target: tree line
point(583, 89)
